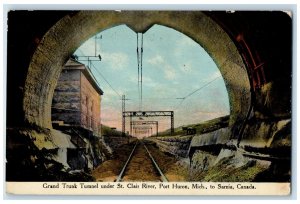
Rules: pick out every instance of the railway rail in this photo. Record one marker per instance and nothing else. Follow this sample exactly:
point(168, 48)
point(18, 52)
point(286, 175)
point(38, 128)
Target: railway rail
point(140, 162)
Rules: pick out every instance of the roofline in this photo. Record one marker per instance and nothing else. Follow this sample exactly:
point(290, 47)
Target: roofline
point(91, 78)
point(87, 72)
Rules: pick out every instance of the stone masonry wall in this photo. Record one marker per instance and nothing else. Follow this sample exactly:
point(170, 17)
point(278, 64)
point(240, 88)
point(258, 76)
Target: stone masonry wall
point(115, 142)
point(175, 145)
point(66, 98)
point(90, 105)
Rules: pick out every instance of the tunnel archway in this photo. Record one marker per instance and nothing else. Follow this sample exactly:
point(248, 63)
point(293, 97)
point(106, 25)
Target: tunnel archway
point(71, 31)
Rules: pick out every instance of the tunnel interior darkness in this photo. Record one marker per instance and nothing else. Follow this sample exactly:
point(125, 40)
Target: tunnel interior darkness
point(70, 32)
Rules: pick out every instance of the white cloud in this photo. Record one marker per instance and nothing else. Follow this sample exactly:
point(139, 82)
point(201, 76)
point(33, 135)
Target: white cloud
point(186, 68)
point(183, 44)
point(156, 60)
point(115, 60)
point(170, 72)
point(187, 41)
point(109, 93)
point(147, 81)
point(133, 79)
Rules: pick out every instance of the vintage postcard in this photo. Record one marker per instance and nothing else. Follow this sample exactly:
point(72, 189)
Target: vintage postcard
point(149, 102)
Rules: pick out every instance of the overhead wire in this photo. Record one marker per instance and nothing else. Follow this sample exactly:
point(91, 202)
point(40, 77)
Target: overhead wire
point(92, 65)
point(140, 67)
point(93, 76)
point(205, 85)
point(139, 51)
point(156, 98)
point(138, 63)
point(142, 71)
point(106, 80)
point(119, 95)
point(195, 91)
point(202, 86)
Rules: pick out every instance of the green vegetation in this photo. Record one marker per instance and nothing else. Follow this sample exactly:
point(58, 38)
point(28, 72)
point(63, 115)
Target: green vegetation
point(108, 131)
point(204, 127)
point(225, 172)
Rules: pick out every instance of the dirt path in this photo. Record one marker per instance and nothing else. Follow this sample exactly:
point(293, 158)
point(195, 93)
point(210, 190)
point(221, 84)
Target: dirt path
point(169, 165)
point(140, 167)
point(110, 169)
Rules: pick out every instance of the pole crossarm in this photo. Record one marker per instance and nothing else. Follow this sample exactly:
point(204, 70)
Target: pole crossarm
point(147, 113)
point(137, 122)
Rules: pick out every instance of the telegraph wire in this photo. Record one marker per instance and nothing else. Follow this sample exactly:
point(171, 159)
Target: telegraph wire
point(139, 50)
point(92, 65)
point(90, 71)
point(106, 80)
point(205, 85)
point(142, 71)
point(195, 91)
point(138, 64)
point(154, 98)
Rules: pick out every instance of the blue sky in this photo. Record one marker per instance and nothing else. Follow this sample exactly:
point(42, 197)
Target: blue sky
point(174, 66)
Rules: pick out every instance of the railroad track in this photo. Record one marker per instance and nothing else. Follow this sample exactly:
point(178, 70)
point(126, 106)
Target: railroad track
point(141, 166)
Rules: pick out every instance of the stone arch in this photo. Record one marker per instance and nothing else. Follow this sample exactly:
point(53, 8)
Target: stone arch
point(71, 31)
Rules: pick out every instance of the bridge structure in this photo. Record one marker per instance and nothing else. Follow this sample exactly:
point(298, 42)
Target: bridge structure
point(145, 114)
point(142, 130)
point(143, 123)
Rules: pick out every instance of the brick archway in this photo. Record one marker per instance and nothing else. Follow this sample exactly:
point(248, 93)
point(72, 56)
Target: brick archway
point(71, 31)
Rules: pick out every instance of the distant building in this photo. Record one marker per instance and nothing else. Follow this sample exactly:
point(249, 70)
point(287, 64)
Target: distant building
point(76, 112)
point(77, 98)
